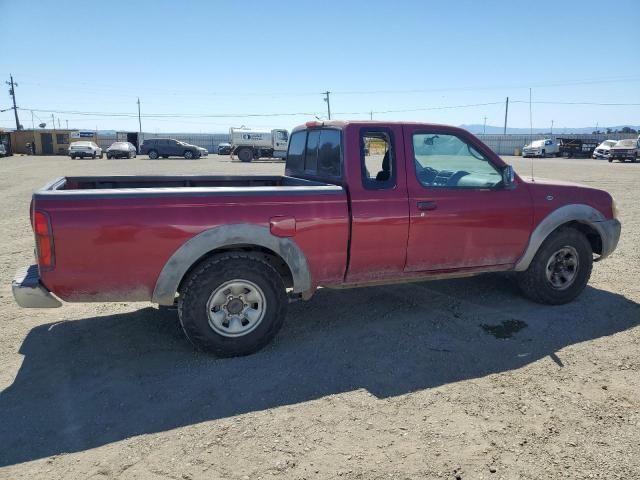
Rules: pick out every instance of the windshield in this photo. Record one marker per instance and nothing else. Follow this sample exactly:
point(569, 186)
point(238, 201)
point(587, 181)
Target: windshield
point(626, 143)
point(609, 143)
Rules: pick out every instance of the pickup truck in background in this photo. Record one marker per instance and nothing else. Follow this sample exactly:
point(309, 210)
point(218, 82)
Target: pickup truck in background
point(360, 203)
point(541, 148)
point(624, 150)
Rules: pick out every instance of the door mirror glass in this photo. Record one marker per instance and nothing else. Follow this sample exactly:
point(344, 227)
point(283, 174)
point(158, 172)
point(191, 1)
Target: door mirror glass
point(508, 177)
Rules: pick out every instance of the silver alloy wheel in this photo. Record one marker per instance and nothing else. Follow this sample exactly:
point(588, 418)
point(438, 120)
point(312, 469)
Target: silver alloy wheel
point(188, 154)
point(236, 308)
point(562, 267)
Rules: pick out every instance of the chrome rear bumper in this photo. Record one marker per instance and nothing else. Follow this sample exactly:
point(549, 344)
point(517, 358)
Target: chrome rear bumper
point(29, 292)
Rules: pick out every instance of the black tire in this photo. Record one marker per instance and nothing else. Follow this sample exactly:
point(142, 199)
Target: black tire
point(245, 155)
point(153, 154)
point(109, 156)
point(203, 281)
point(543, 154)
point(534, 282)
point(611, 160)
point(130, 155)
point(93, 155)
point(188, 154)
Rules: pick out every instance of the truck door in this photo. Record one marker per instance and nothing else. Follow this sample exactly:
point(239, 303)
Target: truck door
point(461, 215)
point(379, 208)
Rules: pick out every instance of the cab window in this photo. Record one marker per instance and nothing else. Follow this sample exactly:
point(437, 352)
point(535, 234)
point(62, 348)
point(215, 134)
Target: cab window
point(447, 161)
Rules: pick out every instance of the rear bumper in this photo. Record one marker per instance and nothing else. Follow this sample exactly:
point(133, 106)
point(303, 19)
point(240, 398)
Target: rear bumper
point(609, 234)
point(29, 292)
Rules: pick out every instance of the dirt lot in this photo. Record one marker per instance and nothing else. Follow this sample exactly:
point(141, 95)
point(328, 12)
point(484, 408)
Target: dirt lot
point(457, 379)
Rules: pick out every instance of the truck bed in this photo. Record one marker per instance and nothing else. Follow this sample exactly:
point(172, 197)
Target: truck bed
point(114, 234)
point(181, 184)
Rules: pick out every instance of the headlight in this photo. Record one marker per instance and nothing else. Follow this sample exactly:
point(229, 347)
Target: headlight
point(614, 208)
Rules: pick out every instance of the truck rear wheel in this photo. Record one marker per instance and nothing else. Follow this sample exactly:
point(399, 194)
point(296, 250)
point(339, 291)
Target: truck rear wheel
point(232, 305)
point(245, 155)
point(560, 269)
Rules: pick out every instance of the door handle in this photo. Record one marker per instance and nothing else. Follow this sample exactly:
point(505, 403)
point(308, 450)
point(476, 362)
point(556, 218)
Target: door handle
point(427, 205)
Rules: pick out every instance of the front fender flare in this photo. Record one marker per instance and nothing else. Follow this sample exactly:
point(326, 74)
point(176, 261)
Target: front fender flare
point(568, 213)
point(223, 237)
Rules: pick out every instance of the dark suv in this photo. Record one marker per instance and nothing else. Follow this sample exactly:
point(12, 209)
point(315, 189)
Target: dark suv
point(168, 147)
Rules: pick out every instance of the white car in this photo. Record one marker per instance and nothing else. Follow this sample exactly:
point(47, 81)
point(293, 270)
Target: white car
point(84, 149)
point(541, 148)
point(3, 150)
point(604, 149)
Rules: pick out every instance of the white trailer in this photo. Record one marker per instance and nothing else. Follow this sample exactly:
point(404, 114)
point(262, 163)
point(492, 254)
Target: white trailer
point(250, 144)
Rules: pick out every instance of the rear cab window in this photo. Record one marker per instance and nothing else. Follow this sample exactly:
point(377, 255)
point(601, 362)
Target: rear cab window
point(315, 153)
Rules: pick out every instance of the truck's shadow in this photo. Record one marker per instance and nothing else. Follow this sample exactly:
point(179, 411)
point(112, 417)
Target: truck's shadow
point(86, 383)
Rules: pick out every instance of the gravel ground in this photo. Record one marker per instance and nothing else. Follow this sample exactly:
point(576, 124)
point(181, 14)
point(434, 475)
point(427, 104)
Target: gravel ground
point(455, 379)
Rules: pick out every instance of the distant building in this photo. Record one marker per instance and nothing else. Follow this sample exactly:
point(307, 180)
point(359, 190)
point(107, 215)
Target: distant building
point(48, 141)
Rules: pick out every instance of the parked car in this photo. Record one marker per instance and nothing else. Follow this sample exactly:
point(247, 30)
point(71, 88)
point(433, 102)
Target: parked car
point(603, 151)
point(541, 148)
point(85, 149)
point(169, 147)
point(434, 202)
point(624, 150)
point(121, 150)
point(224, 149)
point(3, 150)
point(203, 152)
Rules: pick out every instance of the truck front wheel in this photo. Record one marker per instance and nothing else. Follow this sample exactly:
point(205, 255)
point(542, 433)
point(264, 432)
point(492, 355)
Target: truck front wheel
point(232, 305)
point(245, 155)
point(560, 269)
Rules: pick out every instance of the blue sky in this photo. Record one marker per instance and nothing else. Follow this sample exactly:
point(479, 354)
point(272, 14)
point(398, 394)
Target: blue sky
point(407, 58)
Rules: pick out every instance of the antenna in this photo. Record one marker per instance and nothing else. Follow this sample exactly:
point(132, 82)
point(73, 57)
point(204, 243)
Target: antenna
point(531, 131)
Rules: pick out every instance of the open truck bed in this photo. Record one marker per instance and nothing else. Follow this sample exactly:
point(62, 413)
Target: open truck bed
point(180, 184)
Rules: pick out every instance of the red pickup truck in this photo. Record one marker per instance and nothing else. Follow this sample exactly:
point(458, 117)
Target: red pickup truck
point(360, 203)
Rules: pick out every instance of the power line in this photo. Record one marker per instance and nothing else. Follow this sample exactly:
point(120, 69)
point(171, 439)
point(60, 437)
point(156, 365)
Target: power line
point(310, 114)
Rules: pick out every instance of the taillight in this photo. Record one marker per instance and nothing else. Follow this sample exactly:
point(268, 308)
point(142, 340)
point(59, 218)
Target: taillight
point(44, 240)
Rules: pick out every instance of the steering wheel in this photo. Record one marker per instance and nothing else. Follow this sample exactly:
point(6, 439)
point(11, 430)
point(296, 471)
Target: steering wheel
point(426, 175)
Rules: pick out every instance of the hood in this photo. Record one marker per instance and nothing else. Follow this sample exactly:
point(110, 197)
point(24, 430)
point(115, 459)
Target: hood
point(625, 145)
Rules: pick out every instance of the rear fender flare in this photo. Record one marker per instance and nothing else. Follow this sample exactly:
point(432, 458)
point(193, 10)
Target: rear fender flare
point(223, 237)
point(568, 213)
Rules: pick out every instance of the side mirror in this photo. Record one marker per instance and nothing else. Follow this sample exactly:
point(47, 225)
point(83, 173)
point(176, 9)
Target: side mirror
point(508, 177)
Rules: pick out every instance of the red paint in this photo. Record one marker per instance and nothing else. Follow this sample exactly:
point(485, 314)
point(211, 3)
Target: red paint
point(114, 248)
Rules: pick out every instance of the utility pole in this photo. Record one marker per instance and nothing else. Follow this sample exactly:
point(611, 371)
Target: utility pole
point(371, 115)
point(484, 126)
point(506, 113)
point(551, 127)
point(33, 126)
point(67, 124)
point(58, 123)
point(12, 92)
point(139, 125)
point(53, 121)
point(326, 99)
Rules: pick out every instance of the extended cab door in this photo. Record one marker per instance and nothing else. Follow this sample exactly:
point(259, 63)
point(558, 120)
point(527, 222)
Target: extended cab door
point(462, 216)
point(379, 208)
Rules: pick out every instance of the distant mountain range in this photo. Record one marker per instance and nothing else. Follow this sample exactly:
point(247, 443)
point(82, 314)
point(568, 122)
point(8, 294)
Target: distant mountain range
point(490, 129)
